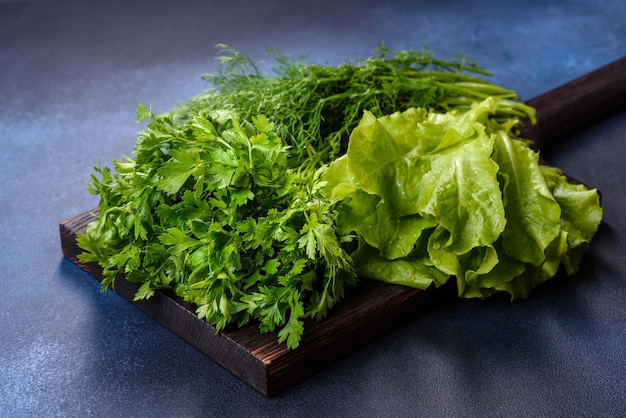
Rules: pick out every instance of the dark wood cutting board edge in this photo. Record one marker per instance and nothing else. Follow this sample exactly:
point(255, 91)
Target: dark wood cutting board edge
point(370, 309)
point(366, 313)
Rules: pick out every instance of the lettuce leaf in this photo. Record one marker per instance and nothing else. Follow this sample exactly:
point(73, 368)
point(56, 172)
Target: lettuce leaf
point(532, 212)
point(432, 196)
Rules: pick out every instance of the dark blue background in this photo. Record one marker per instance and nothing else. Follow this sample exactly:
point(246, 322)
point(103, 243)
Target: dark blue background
point(71, 76)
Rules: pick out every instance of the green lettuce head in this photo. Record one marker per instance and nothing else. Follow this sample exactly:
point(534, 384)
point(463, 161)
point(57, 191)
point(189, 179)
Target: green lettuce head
point(435, 195)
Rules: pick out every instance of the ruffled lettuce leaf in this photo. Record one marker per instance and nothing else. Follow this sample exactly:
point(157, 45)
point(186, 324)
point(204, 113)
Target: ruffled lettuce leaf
point(532, 212)
point(433, 196)
point(581, 215)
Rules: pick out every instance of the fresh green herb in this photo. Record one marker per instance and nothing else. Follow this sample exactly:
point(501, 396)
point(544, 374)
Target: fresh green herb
point(433, 196)
point(211, 210)
point(315, 107)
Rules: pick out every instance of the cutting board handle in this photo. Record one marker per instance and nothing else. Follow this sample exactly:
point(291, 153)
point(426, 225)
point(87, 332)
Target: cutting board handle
point(578, 104)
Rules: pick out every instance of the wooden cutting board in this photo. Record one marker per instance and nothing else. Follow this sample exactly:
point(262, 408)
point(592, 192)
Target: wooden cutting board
point(370, 309)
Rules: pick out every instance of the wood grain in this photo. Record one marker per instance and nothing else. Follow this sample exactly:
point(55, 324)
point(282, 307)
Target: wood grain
point(371, 309)
point(578, 104)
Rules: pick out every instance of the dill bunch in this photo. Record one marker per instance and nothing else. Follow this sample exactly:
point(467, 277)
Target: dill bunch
point(315, 107)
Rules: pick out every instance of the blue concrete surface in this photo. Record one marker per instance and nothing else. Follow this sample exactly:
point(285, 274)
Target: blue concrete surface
point(71, 76)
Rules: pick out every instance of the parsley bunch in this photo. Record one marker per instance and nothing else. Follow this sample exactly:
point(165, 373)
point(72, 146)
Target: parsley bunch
point(212, 210)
